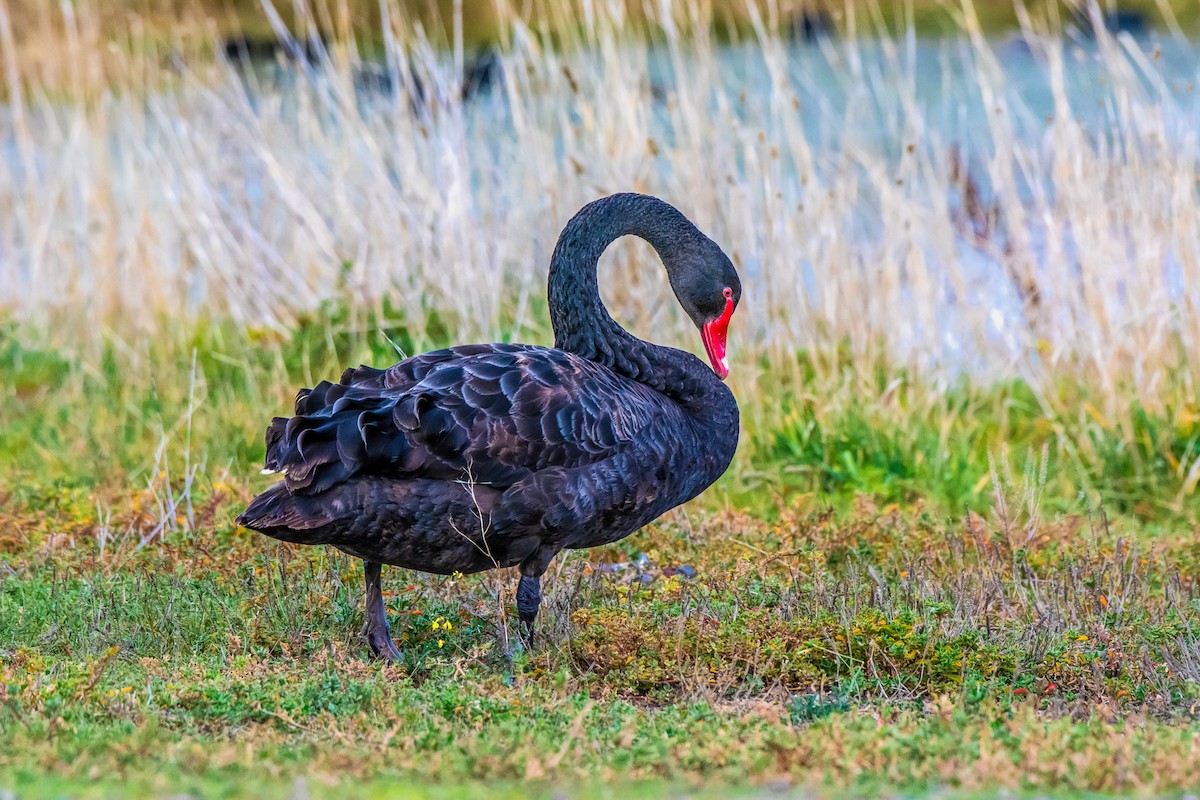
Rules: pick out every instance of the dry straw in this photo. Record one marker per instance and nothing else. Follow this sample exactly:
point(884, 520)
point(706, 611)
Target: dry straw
point(905, 199)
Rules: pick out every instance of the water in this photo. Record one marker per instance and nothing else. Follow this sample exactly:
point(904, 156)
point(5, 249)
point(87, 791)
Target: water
point(215, 172)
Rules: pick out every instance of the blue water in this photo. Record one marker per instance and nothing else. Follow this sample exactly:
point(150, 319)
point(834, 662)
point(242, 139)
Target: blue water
point(874, 97)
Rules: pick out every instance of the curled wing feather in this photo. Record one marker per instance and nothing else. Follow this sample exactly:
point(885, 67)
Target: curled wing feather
point(493, 414)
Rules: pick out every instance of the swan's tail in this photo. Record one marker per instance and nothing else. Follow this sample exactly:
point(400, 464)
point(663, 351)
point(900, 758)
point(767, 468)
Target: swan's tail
point(291, 517)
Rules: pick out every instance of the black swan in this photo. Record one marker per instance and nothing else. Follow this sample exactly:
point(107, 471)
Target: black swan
point(494, 455)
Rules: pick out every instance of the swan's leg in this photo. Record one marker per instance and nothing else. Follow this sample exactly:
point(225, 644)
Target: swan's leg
point(529, 599)
point(375, 629)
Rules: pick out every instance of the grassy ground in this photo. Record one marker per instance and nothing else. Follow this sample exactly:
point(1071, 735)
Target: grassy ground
point(849, 632)
point(888, 650)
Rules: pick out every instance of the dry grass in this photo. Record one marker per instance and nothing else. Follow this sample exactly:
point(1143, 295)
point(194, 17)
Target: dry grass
point(861, 209)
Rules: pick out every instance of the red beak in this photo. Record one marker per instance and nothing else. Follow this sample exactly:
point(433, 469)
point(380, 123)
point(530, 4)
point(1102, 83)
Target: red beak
point(714, 334)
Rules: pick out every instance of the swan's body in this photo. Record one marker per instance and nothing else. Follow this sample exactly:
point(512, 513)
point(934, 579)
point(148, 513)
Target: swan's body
point(496, 455)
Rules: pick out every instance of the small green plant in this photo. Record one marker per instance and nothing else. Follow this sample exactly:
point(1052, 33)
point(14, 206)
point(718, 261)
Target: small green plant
point(805, 708)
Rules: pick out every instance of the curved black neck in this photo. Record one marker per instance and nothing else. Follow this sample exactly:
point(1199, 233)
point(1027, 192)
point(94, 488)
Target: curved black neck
point(581, 323)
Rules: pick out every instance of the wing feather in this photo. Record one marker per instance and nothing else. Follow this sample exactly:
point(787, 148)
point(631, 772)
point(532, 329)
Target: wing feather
point(498, 412)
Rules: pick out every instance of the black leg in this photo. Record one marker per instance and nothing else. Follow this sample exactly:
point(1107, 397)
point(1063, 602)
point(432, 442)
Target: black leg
point(375, 628)
point(529, 598)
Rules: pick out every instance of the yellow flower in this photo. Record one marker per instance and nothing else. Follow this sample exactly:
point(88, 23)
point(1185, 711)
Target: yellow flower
point(441, 642)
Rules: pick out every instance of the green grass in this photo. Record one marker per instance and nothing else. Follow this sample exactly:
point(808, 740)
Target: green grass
point(99, 420)
point(881, 652)
point(857, 631)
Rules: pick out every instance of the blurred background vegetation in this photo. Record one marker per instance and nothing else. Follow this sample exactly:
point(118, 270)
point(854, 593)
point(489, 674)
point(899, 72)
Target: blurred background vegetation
point(484, 20)
point(479, 23)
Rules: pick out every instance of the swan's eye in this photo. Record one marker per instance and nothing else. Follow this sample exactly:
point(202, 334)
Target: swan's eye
point(728, 293)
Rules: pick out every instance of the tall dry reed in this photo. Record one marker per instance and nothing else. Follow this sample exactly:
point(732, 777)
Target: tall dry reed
point(1017, 208)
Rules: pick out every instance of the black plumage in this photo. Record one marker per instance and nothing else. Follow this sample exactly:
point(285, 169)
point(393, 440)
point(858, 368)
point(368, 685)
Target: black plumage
point(495, 455)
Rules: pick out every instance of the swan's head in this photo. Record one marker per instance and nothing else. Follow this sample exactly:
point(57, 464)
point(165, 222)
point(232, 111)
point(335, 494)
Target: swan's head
point(709, 290)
